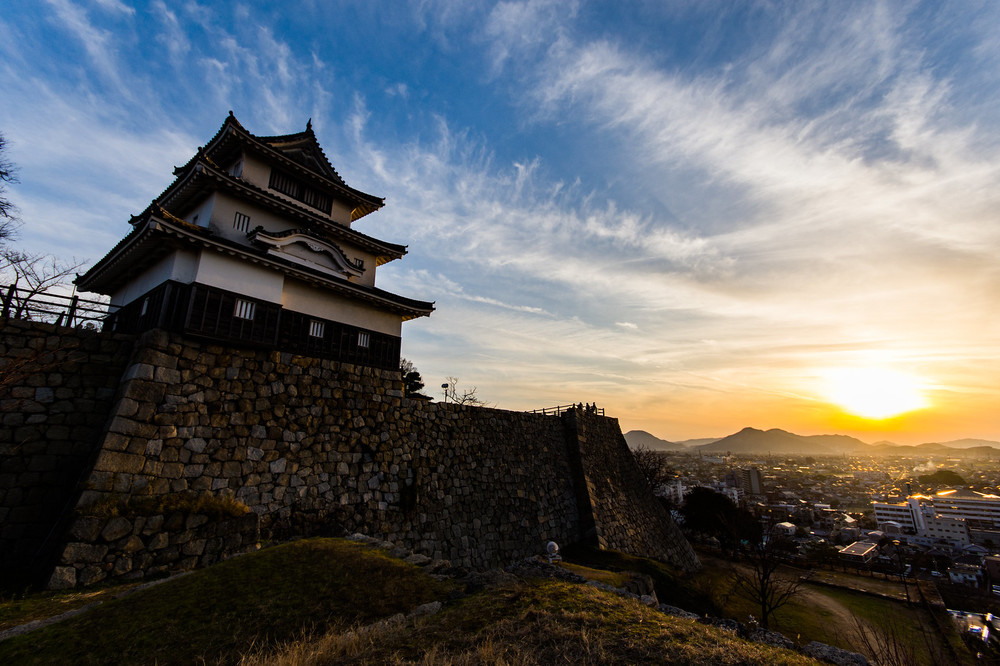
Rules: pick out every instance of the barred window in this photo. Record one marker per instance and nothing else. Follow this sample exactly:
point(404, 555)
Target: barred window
point(241, 222)
point(299, 191)
point(363, 340)
point(317, 328)
point(244, 309)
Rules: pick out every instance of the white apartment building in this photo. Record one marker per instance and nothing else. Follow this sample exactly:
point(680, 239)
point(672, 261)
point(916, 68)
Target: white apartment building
point(979, 509)
point(946, 516)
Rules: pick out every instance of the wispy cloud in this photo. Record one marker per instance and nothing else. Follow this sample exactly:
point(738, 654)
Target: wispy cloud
point(595, 210)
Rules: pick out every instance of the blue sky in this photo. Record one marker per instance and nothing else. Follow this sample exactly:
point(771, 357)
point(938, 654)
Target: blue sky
point(688, 212)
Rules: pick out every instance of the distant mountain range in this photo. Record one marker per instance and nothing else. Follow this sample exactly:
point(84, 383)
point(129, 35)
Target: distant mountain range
point(751, 441)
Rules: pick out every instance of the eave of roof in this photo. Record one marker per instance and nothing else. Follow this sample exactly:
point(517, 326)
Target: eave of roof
point(188, 185)
point(231, 128)
point(149, 235)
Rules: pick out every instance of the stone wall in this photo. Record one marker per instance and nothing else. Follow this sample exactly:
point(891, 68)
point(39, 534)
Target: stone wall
point(57, 387)
point(625, 515)
point(318, 447)
point(101, 547)
point(332, 446)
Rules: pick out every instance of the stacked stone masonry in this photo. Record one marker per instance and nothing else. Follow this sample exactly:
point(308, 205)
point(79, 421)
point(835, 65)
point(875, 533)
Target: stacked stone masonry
point(631, 523)
point(57, 387)
point(140, 546)
point(314, 446)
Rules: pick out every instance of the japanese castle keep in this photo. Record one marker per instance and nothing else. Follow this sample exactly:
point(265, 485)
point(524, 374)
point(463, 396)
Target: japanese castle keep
point(249, 361)
point(252, 243)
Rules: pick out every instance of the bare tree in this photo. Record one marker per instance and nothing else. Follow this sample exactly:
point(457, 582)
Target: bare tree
point(653, 465)
point(886, 645)
point(466, 397)
point(32, 275)
point(759, 579)
point(8, 211)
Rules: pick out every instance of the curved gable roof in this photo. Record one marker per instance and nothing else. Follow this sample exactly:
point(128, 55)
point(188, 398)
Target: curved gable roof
point(298, 153)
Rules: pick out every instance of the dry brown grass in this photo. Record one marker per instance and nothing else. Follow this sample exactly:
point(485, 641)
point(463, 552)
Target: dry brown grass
point(214, 506)
point(543, 622)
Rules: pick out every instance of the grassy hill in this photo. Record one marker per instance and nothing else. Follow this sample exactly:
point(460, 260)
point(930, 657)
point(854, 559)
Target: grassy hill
point(333, 601)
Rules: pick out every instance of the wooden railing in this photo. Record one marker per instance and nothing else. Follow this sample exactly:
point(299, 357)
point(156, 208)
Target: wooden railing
point(556, 411)
point(52, 308)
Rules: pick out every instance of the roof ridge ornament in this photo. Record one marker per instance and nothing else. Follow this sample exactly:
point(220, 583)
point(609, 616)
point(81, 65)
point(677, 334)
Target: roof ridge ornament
point(309, 125)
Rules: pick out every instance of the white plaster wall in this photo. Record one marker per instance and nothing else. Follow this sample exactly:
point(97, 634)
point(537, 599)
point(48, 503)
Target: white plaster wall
point(303, 298)
point(255, 171)
point(223, 215)
point(202, 215)
point(341, 213)
point(239, 276)
point(180, 266)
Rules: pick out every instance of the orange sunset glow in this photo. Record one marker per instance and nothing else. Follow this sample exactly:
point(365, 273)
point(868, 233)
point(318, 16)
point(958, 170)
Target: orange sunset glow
point(700, 216)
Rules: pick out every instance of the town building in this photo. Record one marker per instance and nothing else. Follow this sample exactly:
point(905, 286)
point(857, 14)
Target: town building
point(751, 481)
point(952, 517)
point(859, 552)
point(253, 243)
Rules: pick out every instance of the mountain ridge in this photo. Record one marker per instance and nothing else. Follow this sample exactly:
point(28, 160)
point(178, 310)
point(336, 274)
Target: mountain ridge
point(754, 441)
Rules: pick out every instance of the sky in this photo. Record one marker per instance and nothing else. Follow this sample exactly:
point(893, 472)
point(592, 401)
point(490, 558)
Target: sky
point(700, 215)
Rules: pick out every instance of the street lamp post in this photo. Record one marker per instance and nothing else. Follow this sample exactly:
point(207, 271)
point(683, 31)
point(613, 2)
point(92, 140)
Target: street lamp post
point(902, 573)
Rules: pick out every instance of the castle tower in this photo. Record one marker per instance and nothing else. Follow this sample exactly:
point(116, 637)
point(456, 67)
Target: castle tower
point(252, 243)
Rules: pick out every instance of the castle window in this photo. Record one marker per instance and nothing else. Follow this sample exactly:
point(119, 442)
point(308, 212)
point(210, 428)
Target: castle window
point(244, 309)
point(298, 190)
point(145, 306)
point(241, 222)
point(363, 340)
point(317, 328)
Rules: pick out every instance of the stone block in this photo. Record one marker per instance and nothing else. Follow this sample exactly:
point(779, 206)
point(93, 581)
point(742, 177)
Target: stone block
point(122, 565)
point(86, 528)
point(62, 578)
point(194, 547)
point(172, 470)
point(116, 528)
point(83, 553)
point(110, 461)
point(127, 407)
point(138, 371)
point(196, 444)
point(167, 376)
point(159, 541)
point(133, 544)
point(90, 575)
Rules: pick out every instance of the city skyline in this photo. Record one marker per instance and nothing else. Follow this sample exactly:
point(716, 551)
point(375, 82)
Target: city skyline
point(702, 216)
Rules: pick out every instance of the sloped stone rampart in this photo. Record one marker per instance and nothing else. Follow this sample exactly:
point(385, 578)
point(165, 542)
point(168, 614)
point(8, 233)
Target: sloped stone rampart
point(624, 513)
point(314, 446)
point(57, 387)
point(101, 547)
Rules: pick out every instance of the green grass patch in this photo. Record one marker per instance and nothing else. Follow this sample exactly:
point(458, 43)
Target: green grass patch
point(693, 593)
point(262, 599)
point(20, 609)
point(541, 622)
point(612, 578)
point(911, 626)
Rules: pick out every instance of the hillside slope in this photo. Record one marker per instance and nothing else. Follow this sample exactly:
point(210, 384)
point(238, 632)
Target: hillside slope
point(257, 608)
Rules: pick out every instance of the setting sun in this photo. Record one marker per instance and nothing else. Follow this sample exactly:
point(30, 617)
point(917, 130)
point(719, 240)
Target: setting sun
point(874, 393)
